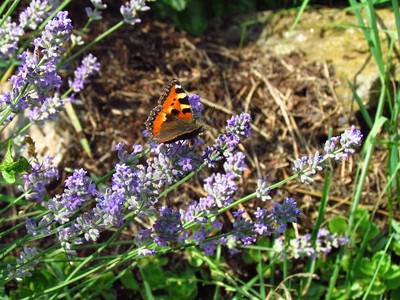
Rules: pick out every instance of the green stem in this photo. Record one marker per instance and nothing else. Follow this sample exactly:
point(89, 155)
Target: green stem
point(9, 11)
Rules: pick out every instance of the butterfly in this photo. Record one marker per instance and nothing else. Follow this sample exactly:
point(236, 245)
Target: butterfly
point(172, 119)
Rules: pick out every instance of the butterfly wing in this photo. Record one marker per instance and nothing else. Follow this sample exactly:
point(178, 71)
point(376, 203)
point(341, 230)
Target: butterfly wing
point(172, 119)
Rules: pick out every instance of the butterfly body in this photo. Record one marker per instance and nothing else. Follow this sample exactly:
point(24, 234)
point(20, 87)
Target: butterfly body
point(172, 119)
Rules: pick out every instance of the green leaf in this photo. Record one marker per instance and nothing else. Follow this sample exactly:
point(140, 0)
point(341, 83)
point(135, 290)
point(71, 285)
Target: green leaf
point(178, 5)
point(395, 225)
point(386, 262)
point(193, 19)
point(378, 288)
point(337, 225)
point(154, 275)
point(22, 165)
point(8, 176)
point(316, 291)
point(129, 281)
point(194, 260)
point(392, 277)
point(9, 166)
point(366, 267)
point(395, 294)
point(8, 159)
point(395, 246)
point(182, 285)
point(374, 231)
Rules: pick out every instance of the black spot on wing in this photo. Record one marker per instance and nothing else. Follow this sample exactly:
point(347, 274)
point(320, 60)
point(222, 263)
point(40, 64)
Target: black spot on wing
point(186, 111)
point(175, 112)
point(184, 100)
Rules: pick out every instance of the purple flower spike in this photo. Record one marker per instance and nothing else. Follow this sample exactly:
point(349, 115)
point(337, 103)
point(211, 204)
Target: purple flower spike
point(39, 176)
point(37, 76)
point(129, 11)
point(221, 188)
point(348, 140)
point(263, 225)
point(28, 264)
point(235, 164)
point(168, 228)
point(263, 189)
point(41, 228)
point(9, 36)
point(302, 247)
point(307, 167)
point(285, 213)
point(79, 189)
point(110, 208)
point(34, 14)
point(243, 229)
point(239, 125)
point(89, 67)
point(68, 237)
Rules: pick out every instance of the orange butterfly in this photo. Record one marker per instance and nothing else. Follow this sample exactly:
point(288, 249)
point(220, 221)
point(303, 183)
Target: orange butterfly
point(172, 119)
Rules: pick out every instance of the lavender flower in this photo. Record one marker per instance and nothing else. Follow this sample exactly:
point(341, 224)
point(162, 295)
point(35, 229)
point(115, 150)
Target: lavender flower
point(141, 241)
point(37, 76)
point(79, 189)
point(263, 189)
point(326, 241)
point(186, 164)
point(243, 229)
point(302, 247)
point(9, 36)
point(99, 4)
point(196, 105)
point(87, 224)
point(95, 14)
point(56, 32)
point(210, 247)
point(263, 225)
point(308, 167)
point(172, 162)
point(349, 139)
point(205, 227)
point(221, 188)
point(143, 237)
point(57, 205)
point(285, 213)
point(38, 177)
point(239, 125)
point(147, 252)
point(34, 14)
point(69, 236)
point(24, 264)
point(89, 67)
point(235, 164)
point(168, 228)
point(238, 128)
point(41, 228)
point(50, 107)
point(110, 208)
point(136, 185)
point(123, 155)
point(129, 10)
